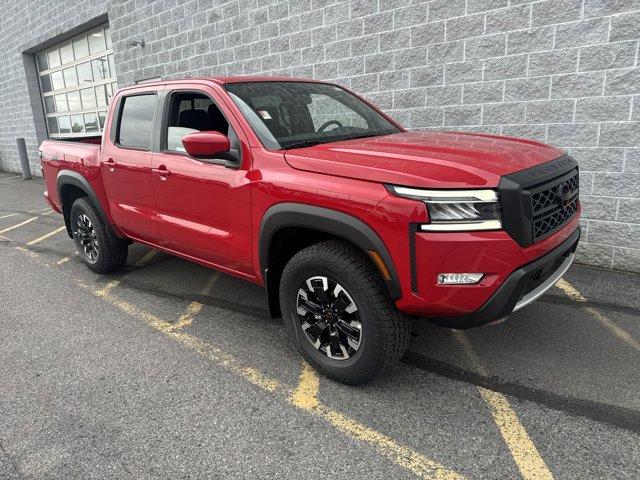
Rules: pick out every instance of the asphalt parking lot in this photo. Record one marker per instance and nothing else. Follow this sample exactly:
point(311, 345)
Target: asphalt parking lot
point(166, 369)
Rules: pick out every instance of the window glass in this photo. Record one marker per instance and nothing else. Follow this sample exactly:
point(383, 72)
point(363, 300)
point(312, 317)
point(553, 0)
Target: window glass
point(66, 53)
point(52, 124)
point(73, 98)
point(45, 83)
point(112, 66)
point(41, 59)
point(54, 58)
point(61, 102)
point(77, 124)
point(49, 105)
point(107, 36)
point(100, 68)
point(57, 80)
point(88, 98)
point(96, 42)
point(102, 95)
point(136, 121)
point(191, 112)
point(84, 73)
point(295, 114)
point(65, 124)
point(102, 117)
point(70, 77)
point(80, 47)
point(90, 122)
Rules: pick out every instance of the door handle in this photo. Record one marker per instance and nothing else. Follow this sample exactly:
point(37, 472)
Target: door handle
point(111, 164)
point(162, 172)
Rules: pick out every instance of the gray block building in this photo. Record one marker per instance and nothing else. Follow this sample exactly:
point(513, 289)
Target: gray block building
point(565, 72)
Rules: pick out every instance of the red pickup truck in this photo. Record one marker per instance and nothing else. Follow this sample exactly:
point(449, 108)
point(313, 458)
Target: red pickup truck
point(351, 223)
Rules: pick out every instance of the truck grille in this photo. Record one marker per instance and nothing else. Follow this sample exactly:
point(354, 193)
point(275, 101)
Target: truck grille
point(539, 201)
point(553, 204)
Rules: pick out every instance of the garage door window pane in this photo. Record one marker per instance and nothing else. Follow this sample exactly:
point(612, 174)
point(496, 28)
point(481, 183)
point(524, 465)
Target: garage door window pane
point(74, 101)
point(64, 124)
point(77, 124)
point(49, 105)
point(41, 59)
point(66, 53)
point(52, 124)
point(70, 78)
point(84, 73)
point(88, 98)
point(102, 95)
point(61, 102)
point(57, 80)
point(54, 58)
point(90, 122)
point(45, 83)
point(100, 68)
point(107, 36)
point(80, 48)
point(102, 117)
point(96, 42)
point(136, 121)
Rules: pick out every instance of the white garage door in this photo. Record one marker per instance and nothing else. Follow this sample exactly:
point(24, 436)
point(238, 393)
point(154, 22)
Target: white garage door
point(77, 78)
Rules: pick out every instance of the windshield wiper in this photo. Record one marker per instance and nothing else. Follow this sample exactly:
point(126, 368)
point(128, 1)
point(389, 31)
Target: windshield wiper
point(306, 143)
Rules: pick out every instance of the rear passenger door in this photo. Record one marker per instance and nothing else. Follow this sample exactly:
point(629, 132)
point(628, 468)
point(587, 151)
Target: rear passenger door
point(204, 209)
point(126, 164)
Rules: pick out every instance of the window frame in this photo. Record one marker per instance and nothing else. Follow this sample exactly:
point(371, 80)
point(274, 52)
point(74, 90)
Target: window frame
point(119, 110)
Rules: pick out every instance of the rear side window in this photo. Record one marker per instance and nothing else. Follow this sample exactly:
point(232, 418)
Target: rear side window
point(136, 121)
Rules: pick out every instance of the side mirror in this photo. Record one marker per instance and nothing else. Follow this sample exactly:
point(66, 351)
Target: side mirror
point(206, 145)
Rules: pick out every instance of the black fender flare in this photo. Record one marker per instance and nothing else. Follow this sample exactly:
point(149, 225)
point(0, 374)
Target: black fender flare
point(70, 177)
point(330, 221)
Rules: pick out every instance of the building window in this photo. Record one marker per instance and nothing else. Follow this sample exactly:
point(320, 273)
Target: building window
point(77, 80)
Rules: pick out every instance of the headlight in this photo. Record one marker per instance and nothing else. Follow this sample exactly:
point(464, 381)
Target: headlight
point(456, 210)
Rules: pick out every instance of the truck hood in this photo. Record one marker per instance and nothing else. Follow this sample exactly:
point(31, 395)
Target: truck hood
point(425, 159)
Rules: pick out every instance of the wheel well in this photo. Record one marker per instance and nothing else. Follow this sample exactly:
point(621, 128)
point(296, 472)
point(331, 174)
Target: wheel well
point(68, 195)
point(284, 244)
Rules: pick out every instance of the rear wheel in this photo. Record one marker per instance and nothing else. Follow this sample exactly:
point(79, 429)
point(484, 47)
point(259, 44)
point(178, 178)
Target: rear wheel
point(92, 239)
point(339, 313)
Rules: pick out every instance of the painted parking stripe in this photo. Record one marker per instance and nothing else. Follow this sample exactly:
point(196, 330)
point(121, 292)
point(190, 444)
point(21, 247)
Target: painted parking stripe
point(194, 308)
point(145, 258)
point(48, 235)
point(524, 452)
point(402, 456)
point(10, 215)
point(618, 331)
point(8, 229)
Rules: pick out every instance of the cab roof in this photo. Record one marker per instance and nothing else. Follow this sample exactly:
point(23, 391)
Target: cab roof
point(223, 80)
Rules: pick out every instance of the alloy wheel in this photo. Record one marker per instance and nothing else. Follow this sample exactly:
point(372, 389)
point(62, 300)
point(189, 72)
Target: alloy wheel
point(329, 317)
point(86, 235)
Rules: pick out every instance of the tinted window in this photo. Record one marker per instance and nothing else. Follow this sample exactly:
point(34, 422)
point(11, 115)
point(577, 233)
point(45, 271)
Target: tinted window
point(136, 121)
point(297, 114)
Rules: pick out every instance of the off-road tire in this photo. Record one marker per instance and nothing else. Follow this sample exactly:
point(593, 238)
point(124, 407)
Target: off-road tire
point(110, 256)
point(385, 330)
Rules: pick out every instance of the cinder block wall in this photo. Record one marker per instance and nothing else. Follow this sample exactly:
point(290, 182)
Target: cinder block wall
point(561, 71)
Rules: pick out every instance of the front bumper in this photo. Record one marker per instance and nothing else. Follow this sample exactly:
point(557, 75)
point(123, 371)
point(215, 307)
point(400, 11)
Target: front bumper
point(522, 287)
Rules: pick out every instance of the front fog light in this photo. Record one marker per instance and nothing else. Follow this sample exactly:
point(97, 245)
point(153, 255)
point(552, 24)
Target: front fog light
point(459, 278)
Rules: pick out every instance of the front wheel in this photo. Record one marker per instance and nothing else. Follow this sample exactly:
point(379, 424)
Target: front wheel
point(339, 313)
point(92, 239)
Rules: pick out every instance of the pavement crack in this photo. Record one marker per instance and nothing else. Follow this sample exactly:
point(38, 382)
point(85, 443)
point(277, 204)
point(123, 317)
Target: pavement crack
point(12, 462)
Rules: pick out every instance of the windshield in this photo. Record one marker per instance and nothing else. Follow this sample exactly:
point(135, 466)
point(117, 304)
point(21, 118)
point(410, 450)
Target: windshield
point(300, 114)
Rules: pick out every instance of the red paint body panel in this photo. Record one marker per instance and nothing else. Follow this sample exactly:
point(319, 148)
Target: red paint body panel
point(211, 214)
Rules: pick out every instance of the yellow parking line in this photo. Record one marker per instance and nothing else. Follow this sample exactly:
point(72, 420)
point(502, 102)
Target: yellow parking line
point(63, 260)
point(8, 229)
point(44, 237)
point(306, 395)
point(194, 308)
point(523, 451)
point(405, 457)
point(10, 215)
point(618, 331)
point(145, 258)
